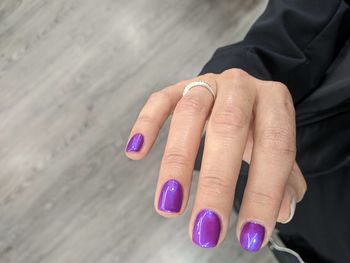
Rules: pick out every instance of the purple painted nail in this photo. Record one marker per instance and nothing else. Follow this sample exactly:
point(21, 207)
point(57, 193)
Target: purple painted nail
point(170, 199)
point(252, 236)
point(206, 230)
point(135, 143)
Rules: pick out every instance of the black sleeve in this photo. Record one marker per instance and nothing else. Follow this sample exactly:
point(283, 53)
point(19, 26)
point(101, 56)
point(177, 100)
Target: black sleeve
point(293, 41)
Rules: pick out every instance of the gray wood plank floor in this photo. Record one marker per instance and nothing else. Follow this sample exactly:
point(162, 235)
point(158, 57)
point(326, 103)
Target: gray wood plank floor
point(74, 74)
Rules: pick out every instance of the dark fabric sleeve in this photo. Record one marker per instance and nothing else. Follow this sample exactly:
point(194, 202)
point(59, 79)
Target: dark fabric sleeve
point(293, 41)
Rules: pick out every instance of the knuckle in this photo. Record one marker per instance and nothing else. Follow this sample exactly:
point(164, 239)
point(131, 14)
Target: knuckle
point(279, 86)
point(190, 104)
point(147, 119)
point(213, 183)
point(276, 87)
point(209, 75)
point(263, 198)
point(159, 95)
point(175, 159)
point(235, 73)
point(283, 93)
point(229, 121)
point(283, 89)
point(278, 139)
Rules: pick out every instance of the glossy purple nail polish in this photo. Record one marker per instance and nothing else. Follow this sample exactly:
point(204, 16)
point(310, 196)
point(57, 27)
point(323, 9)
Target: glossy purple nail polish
point(170, 199)
point(135, 143)
point(252, 236)
point(206, 229)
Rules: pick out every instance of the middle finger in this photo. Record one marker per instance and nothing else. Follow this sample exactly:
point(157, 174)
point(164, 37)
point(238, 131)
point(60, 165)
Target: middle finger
point(225, 141)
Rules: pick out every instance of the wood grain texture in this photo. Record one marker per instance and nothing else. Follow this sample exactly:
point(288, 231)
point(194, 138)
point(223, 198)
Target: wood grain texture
point(74, 75)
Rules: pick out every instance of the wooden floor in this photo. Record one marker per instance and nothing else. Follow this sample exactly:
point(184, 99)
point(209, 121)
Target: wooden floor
point(73, 76)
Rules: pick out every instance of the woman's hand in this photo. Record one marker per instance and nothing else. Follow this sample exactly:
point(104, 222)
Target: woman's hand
point(250, 119)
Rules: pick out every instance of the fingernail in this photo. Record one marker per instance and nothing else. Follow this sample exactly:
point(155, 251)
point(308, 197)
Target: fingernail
point(135, 143)
point(252, 236)
point(292, 210)
point(170, 199)
point(206, 230)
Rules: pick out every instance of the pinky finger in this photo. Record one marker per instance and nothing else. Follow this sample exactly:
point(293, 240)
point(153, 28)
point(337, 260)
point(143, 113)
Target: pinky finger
point(151, 119)
point(294, 192)
point(288, 205)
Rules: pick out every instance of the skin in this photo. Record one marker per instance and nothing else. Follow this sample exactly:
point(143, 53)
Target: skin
point(250, 119)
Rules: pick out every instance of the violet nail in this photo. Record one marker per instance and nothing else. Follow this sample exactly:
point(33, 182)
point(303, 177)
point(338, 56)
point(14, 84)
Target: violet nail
point(206, 230)
point(135, 143)
point(252, 236)
point(170, 199)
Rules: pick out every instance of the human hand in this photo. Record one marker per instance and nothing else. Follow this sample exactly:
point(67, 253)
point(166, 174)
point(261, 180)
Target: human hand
point(250, 119)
